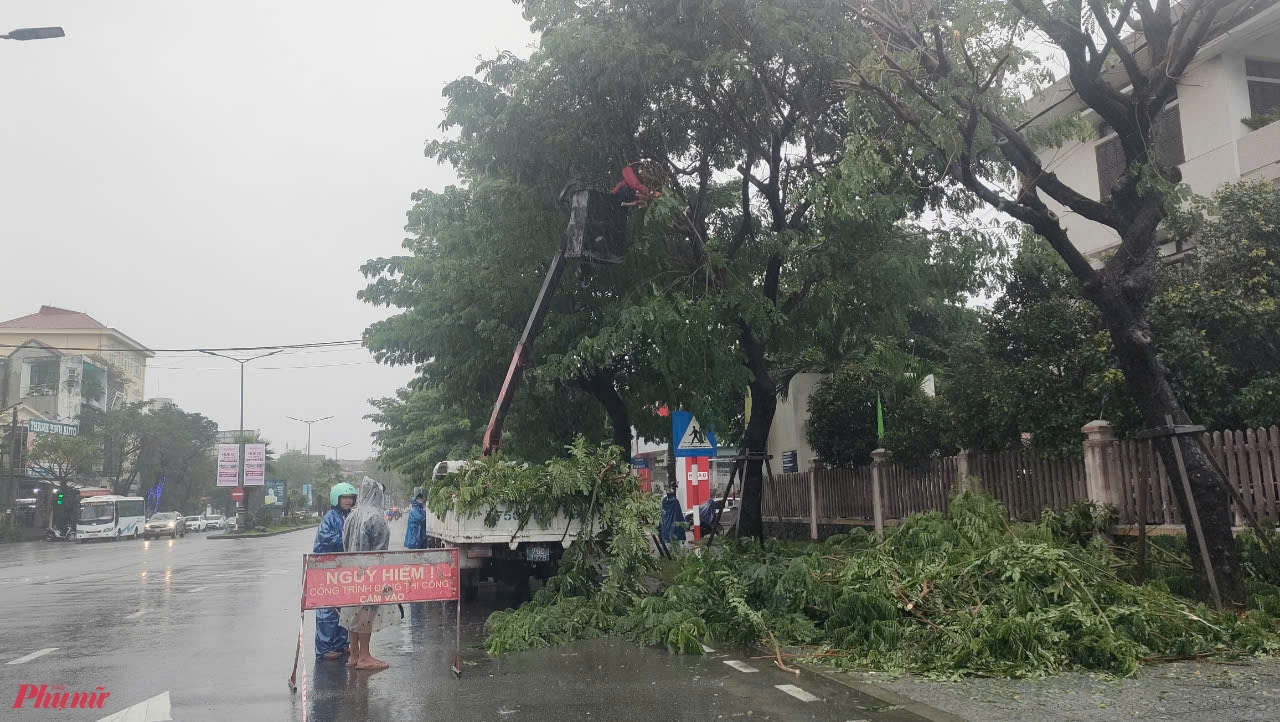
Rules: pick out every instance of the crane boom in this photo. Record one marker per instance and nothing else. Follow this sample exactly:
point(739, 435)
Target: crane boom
point(597, 232)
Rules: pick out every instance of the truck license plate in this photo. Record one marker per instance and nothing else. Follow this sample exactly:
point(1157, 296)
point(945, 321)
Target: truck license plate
point(537, 554)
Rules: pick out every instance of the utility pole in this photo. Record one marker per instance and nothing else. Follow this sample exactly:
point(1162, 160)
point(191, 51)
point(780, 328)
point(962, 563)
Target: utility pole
point(241, 513)
point(15, 463)
point(309, 423)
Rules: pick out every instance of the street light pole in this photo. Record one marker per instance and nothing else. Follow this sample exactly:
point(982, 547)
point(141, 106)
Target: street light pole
point(309, 423)
point(335, 448)
point(34, 34)
point(240, 433)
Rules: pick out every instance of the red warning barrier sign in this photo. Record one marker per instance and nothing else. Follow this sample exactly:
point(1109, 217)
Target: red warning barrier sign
point(357, 578)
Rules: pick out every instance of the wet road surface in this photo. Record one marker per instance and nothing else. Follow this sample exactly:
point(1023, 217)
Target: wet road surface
point(214, 624)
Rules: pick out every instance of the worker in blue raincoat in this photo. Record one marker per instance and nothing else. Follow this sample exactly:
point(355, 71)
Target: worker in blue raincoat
point(331, 639)
point(415, 537)
point(669, 528)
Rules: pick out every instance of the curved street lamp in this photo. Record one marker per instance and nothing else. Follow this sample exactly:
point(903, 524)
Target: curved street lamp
point(34, 34)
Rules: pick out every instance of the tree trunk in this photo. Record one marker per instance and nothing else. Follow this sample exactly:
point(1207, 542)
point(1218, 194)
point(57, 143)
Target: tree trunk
point(764, 402)
point(601, 387)
point(1147, 379)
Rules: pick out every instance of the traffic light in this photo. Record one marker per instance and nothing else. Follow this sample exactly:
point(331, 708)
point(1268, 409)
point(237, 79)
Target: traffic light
point(60, 495)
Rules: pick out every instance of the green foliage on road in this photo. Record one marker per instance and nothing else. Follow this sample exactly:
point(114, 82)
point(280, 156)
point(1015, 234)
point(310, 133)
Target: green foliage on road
point(593, 484)
point(965, 595)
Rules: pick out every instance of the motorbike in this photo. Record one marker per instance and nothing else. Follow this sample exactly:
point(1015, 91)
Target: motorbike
point(66, 532)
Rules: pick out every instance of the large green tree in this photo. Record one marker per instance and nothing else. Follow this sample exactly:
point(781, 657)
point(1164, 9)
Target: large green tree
point(757, 262)
point(1046, 363)
point(957, 74)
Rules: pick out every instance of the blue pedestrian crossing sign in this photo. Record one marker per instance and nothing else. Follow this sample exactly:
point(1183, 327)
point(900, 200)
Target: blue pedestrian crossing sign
point(692, 439)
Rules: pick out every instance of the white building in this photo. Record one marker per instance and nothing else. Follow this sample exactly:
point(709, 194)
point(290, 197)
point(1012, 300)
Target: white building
point(1236, 76)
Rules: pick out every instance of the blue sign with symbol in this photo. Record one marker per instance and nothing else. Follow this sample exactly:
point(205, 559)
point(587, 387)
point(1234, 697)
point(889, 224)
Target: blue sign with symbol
point(691, 438)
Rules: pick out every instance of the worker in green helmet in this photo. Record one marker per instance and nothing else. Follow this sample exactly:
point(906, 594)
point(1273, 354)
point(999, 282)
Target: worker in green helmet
point(331, 639)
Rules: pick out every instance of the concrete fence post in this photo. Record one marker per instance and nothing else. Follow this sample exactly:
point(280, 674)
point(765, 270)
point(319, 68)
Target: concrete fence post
point(966, 480)
point(879, 458)
point(813, 504)
point(1099, 438)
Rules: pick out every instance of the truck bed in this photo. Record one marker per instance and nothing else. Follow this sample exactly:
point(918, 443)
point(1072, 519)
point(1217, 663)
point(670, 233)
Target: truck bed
point(471, 529)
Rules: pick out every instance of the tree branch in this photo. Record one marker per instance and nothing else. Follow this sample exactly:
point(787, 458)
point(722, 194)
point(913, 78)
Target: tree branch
point(798, 297)
point(1114, 41)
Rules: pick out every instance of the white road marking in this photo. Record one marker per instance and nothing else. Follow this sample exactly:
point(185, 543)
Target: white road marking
point(136, 614)
point(796, 692)
point(197, 589)
point(740, 666)
point(33, 655)
point(707, 650)
point(155, 709)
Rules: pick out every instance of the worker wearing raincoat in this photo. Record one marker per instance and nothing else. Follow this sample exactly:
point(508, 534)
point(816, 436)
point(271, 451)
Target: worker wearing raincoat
point(366, 530)
point(415, 537)
point(669, 528)
point(331, 638)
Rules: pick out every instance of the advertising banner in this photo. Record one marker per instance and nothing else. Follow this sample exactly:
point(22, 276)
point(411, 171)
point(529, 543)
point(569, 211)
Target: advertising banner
point(275, 493)
point(255, 464)
point(228, 465)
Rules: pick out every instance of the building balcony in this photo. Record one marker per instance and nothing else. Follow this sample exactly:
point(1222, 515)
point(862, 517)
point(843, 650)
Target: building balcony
point(1259, 154)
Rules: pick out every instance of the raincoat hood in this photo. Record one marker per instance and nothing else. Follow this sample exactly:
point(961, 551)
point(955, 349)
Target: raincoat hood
point(366, 527)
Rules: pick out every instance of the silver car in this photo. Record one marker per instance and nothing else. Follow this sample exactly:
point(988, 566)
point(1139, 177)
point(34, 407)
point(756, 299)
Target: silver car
point(217, 521)
point(165, 523)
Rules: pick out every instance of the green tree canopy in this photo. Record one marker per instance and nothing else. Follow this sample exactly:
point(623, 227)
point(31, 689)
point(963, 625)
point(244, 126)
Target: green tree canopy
point(758, 261)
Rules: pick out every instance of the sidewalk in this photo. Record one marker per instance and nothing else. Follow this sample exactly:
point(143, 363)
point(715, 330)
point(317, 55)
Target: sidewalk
point(1180, 691)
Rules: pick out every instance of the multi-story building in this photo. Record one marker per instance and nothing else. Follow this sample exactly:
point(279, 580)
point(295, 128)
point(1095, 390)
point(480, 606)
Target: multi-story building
point(1216, 130)
point(54, 361)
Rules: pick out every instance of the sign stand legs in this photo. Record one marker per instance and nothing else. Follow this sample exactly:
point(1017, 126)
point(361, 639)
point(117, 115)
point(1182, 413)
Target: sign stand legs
point(457, 653)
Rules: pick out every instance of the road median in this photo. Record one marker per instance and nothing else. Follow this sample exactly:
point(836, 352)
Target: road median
point(271, 531)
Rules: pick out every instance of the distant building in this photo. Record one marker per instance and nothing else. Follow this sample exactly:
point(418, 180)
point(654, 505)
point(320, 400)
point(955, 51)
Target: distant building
point(1234, 78)
point(55, 360)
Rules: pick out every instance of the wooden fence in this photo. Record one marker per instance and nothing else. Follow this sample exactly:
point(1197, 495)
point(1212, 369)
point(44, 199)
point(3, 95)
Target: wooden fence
point(1251, 459)
point(844, 495)
point(1027, 483)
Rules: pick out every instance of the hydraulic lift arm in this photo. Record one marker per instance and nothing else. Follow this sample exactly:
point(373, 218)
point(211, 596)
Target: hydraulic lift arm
point(597, 231)
point(493, 434)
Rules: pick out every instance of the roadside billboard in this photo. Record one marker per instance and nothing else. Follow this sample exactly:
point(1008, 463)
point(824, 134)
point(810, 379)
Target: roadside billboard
point(228, 465)
point(276, 490)
point(255, 464)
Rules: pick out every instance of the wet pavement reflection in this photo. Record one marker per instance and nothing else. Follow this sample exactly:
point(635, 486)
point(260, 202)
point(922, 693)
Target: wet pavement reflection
point(215, 624)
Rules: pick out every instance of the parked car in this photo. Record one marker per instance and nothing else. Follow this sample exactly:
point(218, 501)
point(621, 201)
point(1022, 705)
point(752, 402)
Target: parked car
point(217, 521)
point(230, 524)
point(165, 523)
point(196, 524)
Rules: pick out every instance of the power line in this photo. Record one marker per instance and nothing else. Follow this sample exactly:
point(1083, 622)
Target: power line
point(256, 368)
point(314, 345)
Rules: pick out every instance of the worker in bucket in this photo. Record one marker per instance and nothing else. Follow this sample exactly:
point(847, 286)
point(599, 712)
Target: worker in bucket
point(415, 536)
point(331, 639)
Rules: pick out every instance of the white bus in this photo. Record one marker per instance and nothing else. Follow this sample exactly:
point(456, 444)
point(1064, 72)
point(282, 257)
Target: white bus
point(110, 517)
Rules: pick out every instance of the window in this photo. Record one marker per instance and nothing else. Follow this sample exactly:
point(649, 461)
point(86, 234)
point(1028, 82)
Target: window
point(1166, 134)
point(130, 507)
point(44, 378)
point(1263, 77)
point(97, 513)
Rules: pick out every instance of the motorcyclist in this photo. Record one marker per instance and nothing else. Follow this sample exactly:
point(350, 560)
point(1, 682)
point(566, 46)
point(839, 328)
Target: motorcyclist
point(415, 537)
point(331, 639)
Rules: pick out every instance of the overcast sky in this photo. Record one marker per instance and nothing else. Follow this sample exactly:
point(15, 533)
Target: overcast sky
point(205, 174)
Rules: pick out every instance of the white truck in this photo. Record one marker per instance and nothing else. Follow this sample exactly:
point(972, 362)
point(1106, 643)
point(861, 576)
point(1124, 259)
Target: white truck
point(505, 552)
